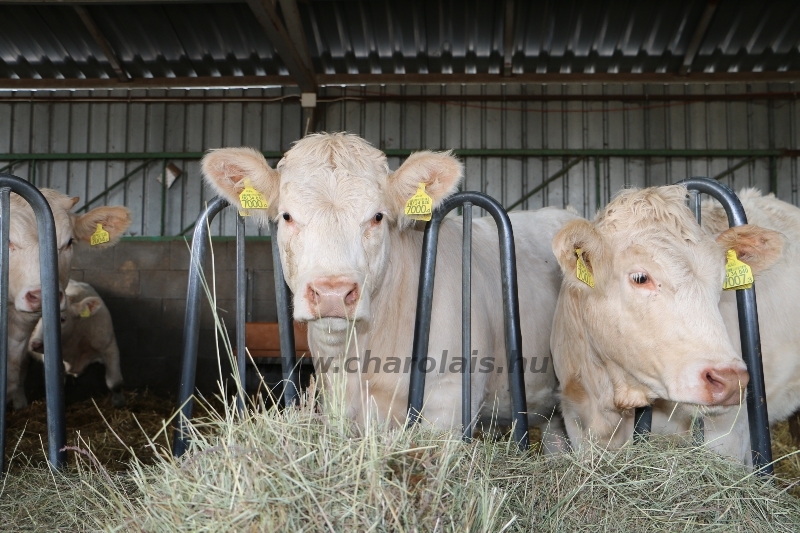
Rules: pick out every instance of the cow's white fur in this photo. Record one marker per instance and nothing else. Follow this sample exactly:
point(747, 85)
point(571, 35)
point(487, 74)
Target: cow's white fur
point(613, 353)
point(24, 268)
point(86, 339)
point(333, 185)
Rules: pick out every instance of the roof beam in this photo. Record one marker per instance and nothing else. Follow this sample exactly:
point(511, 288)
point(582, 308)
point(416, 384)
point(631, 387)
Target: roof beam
point(102, 42)
point(697, 37)
point(267, 16)
point(294, 26)
point(508, 39)
point(395, 79)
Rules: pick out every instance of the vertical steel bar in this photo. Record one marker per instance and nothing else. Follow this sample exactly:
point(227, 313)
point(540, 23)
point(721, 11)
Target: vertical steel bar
point(163, 197)
point(643, 423)
point(283, 299)
point(750, 336)
point(466, 323)
point(5, 223)
point(241, 310)
point(191, 323)
point(513, 334)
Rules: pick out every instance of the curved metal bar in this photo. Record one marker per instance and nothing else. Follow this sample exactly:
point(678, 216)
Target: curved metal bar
point(51, 313)
point(283, 299)
point(191, 322)
point(513, 335)
point(748, 331)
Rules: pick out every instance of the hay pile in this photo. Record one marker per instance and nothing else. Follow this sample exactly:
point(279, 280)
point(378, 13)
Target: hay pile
point(298, 470)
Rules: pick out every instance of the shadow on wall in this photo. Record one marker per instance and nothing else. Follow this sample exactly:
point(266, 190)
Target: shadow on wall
point(143, 283)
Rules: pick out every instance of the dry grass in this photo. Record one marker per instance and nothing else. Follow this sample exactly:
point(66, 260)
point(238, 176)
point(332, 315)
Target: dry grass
point(298, 470)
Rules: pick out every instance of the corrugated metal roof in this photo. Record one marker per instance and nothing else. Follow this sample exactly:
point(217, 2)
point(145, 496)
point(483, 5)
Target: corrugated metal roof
point(402, 37)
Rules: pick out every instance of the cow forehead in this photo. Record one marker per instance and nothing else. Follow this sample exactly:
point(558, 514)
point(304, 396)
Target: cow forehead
point(333, 173)
point(657, 223)
point(24, 231)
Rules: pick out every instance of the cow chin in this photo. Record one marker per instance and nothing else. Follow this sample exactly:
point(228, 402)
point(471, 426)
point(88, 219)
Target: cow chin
point(332, 324)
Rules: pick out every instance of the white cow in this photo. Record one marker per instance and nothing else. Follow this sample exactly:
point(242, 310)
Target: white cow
point(351, 257)
point(24, 289)
point(87, 336)
point(657, 324)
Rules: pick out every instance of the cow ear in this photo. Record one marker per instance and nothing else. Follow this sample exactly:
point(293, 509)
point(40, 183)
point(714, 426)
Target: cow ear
point(758, 247)
point(577, 235)
point(227, 169)
point(441, 173)
point(87, 307)
point(115, 220)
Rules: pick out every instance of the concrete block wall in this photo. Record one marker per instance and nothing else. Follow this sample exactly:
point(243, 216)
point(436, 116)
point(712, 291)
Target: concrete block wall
point(143, 282)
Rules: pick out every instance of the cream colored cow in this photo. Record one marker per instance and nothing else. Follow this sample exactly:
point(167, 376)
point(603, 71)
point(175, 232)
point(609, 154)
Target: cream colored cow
point(87, 336)
point(351, 257)
point(24, 289)
point(657, 324)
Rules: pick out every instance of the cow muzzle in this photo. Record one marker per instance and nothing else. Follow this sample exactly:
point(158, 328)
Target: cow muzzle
point(333, 297)
point(725, 386)
point(31, 301)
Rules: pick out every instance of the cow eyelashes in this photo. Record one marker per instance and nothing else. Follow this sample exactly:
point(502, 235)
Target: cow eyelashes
point(639, 278)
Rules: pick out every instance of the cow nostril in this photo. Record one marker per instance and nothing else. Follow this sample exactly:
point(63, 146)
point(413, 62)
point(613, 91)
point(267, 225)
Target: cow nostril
point(37, 346)
point(715, 383)
point(352, 296)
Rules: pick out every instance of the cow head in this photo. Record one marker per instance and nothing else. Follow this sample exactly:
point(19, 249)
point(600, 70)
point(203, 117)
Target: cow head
point(337, 206)
point(652, 321)
point(24, 288)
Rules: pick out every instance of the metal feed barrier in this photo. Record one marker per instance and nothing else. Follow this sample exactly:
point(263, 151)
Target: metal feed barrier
point(758, 417)
point(51, 314)
point(191, 324)
point(513, 334)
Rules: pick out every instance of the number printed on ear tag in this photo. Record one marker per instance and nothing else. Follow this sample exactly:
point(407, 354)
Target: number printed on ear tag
point(738, 275)
point(419, 206)
point(582, 271)
point(99, 236)
point(251, 198)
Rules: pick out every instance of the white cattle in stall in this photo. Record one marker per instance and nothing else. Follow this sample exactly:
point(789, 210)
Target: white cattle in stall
point(24, 289)
point(351, 257)
point(87, 336)
point(657, 324)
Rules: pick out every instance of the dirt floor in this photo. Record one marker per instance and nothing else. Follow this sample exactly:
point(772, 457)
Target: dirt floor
point(92, 421)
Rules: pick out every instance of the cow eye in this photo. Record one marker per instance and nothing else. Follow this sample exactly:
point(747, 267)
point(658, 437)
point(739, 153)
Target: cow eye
point(71, 242)
point(287, 217)
point(378, 218)
point(639, 278)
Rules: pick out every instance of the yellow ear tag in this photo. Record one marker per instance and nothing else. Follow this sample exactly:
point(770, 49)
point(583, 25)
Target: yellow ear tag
point(251, 198)
point(85, 313)
point(582, 271)
point(99, 236)
point(738, 275)
point(420, 206)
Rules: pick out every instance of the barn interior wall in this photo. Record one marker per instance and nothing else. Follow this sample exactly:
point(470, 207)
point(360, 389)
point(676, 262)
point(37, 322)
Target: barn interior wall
point(143, 282)
point(275, 122)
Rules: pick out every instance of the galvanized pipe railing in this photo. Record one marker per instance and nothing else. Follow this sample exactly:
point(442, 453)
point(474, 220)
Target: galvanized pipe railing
point(513, 334)
point(191, 327)
point(749, 334)
point(51, 314)
point(758, 417)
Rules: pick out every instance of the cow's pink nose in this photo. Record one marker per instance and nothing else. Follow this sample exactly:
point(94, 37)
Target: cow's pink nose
point(724, 384)
point(333, 297)
point(34, 299)
point(37, 346)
